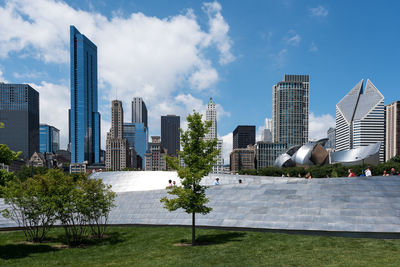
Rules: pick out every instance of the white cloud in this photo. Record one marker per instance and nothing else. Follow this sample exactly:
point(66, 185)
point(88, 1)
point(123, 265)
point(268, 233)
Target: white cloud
point(318, 11)
point(313, 47)
point(319, 125)
point(227, 147)
point(219, 31)
point(138, 55)
point(54, 103)
point(293, 40)
point(2, 79)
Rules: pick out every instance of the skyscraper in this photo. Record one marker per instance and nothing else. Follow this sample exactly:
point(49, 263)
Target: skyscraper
point(392, 145)
point(170, 135)
point(19, 118)
point(360, 118)
point(116, 146)
point(290, 104)
point(211, 115)
point(266, 135)
point(49, 139)
point(137, 137)
point(243, 136)
point(84, 118)
point(139, 111)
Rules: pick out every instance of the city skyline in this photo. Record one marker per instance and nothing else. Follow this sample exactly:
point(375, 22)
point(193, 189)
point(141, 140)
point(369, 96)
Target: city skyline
point(235, 63)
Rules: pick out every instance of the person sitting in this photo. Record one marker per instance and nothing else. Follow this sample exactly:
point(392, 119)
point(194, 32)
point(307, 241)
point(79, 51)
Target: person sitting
point(385, 173)
point(169, 183)
point(308, 176)
point(368, 172)
point(216, 182)
point(240, 181)
point(393, 172)
point(351, 173)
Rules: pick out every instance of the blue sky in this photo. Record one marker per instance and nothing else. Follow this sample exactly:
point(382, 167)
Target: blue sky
point(176, 54)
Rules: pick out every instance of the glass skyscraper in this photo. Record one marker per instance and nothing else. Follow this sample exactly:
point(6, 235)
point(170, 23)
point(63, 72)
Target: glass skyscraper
point(138, 138)
point(170, 135)
point(49, 139)
point(84, 118)
point(19, 118)
point(290, 105)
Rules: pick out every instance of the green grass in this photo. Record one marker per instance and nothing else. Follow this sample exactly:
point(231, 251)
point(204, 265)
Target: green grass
point(153, 246)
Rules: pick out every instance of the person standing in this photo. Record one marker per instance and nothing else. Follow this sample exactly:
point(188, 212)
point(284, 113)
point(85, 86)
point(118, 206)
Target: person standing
point(351, 173)
point(368, 172)
point(216, 182)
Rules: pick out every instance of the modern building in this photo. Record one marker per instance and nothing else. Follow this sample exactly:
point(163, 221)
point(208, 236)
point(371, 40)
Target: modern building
point(84, 118)
point(267, 153)
point(170, 136)
point(117, 154)
point(154, 158)
point(49, 139)
point(243, 159)
point(392, 142)
point(360, 118)
point(137, 137)
point(290, 106)
point(243, 136)
point(266, 135)
point(139, 111)
point(211, 115)
point(331, 134)
point(19, 118)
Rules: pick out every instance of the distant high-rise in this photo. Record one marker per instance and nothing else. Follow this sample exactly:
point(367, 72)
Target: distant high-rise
point(392, 130)
point(170, 135)
point(139, 111)
point(211, 115)
point(154, 157)
point(137, 137)
point(360, 118)
point(49, 139)
point(19, 118)
point(84, 118)
point(243, 159)
point(331, 134)
point(243, 136)
point(266, 135)
point(290, 105)
point(117, 157)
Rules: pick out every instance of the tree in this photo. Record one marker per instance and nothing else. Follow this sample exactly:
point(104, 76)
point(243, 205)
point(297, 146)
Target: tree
point(7, 155)
point(199, 156)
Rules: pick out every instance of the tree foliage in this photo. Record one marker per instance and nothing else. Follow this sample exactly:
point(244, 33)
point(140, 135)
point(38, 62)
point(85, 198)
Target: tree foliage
point(7, 155)
point(199, 156)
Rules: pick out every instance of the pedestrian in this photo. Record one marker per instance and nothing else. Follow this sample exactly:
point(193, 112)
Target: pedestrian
point(216, 182)
point(393, 172)
point(169, 183)
point(174, 183)
point(308, 175)
point(351, 173)
point(368, 172)
point(240, 181)
point(385, 173)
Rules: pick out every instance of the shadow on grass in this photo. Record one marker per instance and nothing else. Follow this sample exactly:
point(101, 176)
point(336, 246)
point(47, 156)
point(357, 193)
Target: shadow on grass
point(215, 239)
point(108, 239)
point(17, 251)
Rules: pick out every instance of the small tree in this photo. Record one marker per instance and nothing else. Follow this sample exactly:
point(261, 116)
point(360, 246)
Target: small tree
point(7, 155)
point(199, 156)
point(31, 205)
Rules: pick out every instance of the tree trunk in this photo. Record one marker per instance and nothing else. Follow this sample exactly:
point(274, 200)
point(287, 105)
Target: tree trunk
point(193, 229)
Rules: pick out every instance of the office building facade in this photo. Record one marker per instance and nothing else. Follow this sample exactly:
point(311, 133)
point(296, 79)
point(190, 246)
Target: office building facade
point(139, 111)
point(154, 157)
point(170, 135)
point(243, 159)
point(137, 137)
point(331, 134)
point(290, 107)
point(84, 118)
point(19, 118)
point(267, 153)
point(211, 115)
point(392, 140)
point(243, 136)
point(117, 154)
point(360, 119)
point(49, 139)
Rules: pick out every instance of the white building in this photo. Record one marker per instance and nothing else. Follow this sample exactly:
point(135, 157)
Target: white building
point(266, 135)
point(211, 115)
point(360, 118)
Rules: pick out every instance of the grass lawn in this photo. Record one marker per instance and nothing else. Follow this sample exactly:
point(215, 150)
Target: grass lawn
point(153, 246)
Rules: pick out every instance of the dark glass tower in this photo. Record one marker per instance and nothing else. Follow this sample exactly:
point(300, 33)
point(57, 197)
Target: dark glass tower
point(49, 139)
point(84, 118)
point(170, 135)
point(19, 118)
point(243, 136)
